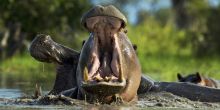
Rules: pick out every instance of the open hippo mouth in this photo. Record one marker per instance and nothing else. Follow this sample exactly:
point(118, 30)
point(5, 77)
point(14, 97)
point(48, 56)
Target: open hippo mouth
point(103, 73)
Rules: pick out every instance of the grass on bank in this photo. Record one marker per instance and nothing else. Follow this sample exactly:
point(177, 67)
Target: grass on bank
point(161, 68)
point(165, 68)
point(24, 68)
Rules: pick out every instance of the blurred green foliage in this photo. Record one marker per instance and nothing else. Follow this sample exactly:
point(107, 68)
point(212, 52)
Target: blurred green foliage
point(24, 72)
point(43, 15)
point(162, 54)
point(24, 19)
point(154, 38)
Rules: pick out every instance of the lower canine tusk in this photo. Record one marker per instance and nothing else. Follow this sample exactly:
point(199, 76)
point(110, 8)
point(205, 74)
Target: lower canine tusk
point(85, 74)
point(121, 72)
point(121, 76)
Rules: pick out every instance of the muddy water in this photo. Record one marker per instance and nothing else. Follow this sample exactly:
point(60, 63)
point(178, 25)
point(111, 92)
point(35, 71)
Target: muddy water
point(11, 90)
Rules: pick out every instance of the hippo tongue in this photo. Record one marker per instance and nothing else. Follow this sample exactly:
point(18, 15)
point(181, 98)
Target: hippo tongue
point(105, 68)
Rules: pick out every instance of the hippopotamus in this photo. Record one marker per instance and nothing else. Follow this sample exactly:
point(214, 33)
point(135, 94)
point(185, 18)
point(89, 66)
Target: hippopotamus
point(197, 78)
point(107, 68)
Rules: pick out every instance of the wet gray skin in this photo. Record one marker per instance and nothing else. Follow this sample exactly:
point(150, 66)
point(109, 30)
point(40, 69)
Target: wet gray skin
point(44, 49)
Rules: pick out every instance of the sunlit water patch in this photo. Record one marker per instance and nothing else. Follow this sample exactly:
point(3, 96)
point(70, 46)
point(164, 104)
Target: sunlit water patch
point(10, 93)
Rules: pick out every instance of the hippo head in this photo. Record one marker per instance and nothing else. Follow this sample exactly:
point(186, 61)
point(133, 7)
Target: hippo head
point(108, 65)
point(192, 78)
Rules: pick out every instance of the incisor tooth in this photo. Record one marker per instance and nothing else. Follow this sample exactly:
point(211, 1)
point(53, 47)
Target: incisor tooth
point(85, 74)
point(107, 79)
point(98, 78)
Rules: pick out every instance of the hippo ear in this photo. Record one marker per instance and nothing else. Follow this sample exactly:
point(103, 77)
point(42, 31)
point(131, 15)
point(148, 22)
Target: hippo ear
point(179, 76)
point(135, 47)
point(83, 42)
point(198, 76)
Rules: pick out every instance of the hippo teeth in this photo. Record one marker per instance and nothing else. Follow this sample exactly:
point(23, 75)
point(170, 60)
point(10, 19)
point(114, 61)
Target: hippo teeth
point(107, 79)
point(85, 74)
point(121, 75)
point(97, 78)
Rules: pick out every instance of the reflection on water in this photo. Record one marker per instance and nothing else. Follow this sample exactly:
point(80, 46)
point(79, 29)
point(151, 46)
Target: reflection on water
point(10, 93)
point(24, 84)
point(16, 93)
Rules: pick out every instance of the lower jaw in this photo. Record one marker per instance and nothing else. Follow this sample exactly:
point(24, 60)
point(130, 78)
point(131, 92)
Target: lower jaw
point(104, 88)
